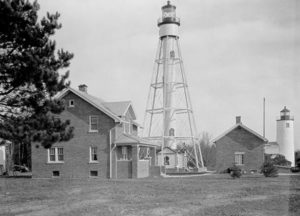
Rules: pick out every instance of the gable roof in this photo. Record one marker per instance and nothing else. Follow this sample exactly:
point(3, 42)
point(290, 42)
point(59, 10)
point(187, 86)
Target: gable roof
point(236, 126)
point(272, 144)
point(171, 150)
point(96, 102)
point(120, 108)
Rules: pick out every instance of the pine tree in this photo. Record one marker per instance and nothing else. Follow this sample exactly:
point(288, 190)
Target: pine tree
point(30, 68)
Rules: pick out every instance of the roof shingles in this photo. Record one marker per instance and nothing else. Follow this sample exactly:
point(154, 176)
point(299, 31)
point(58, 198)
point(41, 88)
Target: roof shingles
point(114, 109)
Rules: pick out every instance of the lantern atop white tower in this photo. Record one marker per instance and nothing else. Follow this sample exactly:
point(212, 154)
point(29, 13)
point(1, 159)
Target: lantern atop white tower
point(285, 114)
point(285, 135)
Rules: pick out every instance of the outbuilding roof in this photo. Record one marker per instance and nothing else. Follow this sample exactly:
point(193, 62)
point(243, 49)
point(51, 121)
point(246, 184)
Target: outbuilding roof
point(272, 143)
point(236, 126)
point(168, 149)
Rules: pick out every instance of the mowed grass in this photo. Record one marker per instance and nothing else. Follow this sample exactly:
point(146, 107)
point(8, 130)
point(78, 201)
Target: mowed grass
point(201, 195)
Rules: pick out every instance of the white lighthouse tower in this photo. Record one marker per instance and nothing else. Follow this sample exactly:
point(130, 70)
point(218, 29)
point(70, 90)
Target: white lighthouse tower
point(285, 135)
point(169, 119)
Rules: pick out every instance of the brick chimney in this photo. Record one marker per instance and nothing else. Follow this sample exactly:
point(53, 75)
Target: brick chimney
point(238, 119)
point(83, 88)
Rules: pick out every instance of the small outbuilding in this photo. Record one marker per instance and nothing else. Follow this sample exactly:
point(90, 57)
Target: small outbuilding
point(241, 146)
point(172, 159)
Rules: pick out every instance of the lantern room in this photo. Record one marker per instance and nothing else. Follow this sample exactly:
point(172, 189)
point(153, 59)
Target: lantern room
point(168, 15)
point(285, 114)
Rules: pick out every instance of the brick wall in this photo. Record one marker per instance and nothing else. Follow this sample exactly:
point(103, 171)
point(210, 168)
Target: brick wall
point(135, 159)
point(143, 168)
point(124, 169)
point(153, 156)
point(239, 140)
point(154, 171)
point(76, 151)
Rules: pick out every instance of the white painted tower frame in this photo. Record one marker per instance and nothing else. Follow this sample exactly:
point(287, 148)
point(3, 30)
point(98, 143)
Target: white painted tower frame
point(169, 119)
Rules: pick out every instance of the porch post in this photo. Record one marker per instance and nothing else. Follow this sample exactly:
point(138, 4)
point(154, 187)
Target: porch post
point(135, 161)
point(153, 156)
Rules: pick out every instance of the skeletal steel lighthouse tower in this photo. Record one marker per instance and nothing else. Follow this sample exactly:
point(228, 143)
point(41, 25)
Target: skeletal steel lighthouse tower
point(169, 119)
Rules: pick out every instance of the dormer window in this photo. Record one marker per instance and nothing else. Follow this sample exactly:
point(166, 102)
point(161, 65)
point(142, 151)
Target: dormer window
point(127, 127)
point(171, 132)
point(71, 103)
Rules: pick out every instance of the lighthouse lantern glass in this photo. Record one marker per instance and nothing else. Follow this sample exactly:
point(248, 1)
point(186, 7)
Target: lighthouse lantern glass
point(285, 113)
point(168, 13)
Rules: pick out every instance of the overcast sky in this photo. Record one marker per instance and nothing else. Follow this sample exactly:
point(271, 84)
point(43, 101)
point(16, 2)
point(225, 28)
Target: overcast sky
point(235, 52)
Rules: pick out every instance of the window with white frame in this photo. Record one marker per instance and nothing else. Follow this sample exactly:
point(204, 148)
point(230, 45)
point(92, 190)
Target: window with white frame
point(93, 124)
point(239, 158)
point(124, 153)
point(166, 160)
point(56, 155)
point(71, 103)
point(93, 154)
point(127, 127)
point(52, 154)
point(60, 154)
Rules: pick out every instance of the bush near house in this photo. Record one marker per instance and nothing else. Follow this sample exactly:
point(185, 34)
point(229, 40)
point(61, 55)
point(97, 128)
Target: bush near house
point(278, 160)
point(269, 170)
point(297, 158)
point(235, 172)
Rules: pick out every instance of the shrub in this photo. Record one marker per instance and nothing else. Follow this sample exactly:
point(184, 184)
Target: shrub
point(235, 172)
point(269, 170)
point(280, 160)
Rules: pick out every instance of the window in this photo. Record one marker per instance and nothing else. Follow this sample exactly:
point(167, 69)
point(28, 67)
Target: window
point(93, 154)
point(93, 124)
point(93, 173)
point(127, 127)
point(144, 153)
point(56, 155)
point(55, 173)
point(71, 103)
point(60, 154)
point(172, 54)
point(287, 125)
point(239, 158)
point(124, 153)
point(171, 132)
point(52, 154)
point(166, 160)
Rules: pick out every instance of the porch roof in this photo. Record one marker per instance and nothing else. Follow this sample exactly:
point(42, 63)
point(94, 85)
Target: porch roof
point(128, 139)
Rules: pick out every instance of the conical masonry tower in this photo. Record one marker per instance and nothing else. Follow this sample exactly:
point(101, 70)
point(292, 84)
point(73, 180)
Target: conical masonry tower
point(169, 119)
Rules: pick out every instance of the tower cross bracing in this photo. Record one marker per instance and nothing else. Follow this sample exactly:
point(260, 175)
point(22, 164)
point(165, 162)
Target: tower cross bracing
point(169, 118)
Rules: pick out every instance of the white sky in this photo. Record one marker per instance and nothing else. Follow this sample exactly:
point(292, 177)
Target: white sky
point(235, 53)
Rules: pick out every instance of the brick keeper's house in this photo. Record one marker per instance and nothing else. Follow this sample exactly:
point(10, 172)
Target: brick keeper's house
point(105, 143)
point(241, 146)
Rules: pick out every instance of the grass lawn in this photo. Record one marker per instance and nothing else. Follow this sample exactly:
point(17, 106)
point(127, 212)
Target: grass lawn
point(202, 195)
